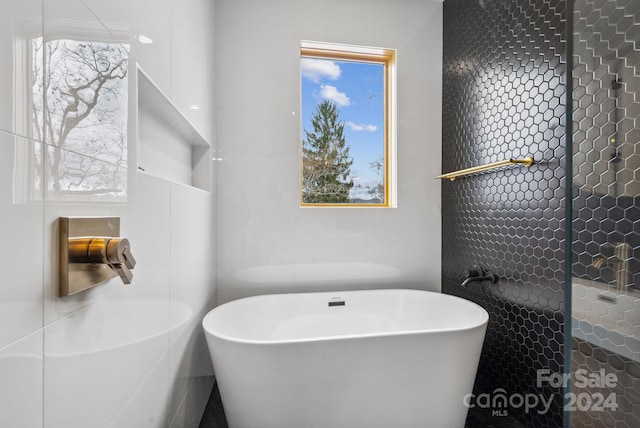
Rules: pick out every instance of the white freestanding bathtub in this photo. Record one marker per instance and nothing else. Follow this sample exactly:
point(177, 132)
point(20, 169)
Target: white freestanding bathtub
point(375, 358)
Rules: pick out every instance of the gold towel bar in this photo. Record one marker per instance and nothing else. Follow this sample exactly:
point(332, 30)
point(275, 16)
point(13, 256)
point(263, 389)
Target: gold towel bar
point(528, 161)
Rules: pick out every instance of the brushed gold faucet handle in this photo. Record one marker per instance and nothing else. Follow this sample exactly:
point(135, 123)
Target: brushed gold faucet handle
point(123, 272)
point(120, 258)
point(129, 260)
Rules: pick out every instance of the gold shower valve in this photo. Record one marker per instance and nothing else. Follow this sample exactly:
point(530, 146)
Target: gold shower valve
point(91, 253)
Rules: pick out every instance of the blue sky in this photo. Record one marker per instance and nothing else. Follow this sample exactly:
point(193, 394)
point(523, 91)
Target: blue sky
point(358, 90)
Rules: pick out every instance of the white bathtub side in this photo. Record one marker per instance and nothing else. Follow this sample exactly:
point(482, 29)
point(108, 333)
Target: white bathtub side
point(391, 381)
point(404, 380)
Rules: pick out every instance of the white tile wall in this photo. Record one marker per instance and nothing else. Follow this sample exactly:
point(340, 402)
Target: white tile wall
point(267, 242)
point(21, 371)
point(116, 355)
point(148, 405)
point(21, 289)
point(20, 260)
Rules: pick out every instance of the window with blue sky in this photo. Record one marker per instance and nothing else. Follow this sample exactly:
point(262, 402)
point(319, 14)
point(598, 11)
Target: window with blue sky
point(350, 85)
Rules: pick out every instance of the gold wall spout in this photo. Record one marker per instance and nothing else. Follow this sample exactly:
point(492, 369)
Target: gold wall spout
point(528, 161)
point(112, 251)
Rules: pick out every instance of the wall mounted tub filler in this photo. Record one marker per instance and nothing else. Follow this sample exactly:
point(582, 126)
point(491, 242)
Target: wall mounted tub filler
point(387, 358)
point(478, 274)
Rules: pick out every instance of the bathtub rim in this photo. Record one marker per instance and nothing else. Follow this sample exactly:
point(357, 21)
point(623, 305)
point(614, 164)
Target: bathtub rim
point(480, 324)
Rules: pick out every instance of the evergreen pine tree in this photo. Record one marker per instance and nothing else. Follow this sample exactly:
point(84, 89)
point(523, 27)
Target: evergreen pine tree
point(326, 164)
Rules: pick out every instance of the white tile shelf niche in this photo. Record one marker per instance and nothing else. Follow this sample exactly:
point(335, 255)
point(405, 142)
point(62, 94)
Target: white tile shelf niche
point(169, 146)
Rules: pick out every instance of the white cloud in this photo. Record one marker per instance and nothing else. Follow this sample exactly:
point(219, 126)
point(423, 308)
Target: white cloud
point(331, 93)
point(361, 127)
point(317, 69)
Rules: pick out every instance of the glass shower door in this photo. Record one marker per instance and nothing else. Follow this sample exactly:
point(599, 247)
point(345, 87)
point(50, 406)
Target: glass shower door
point(605, 255)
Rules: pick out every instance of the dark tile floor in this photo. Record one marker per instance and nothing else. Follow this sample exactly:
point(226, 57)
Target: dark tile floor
point(213, 416)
